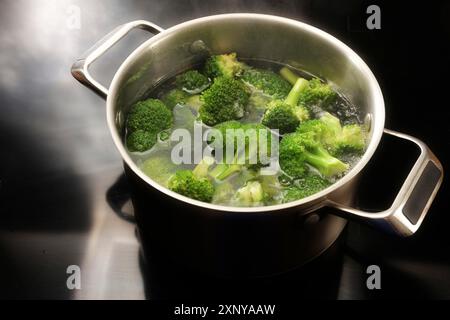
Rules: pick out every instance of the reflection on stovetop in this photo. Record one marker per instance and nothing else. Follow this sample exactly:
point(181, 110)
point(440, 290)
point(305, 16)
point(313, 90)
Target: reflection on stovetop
point(339, 273)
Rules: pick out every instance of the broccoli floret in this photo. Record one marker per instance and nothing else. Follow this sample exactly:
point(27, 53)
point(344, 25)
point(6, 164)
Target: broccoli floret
point(286, 115)
point(326, 129)
point(249, 155)
point(351, 140)
point(186, 183)
point(337, 140)
point(159, 168)
point(252, 194)
point(194, 184)
point(304, 187)
point(268, 82)
point(192, 82)
point(223, 65)
point(281, 116)
point(316, 93)
point(224, 100)
point(140, 140)
point(298, 151)
point(150, 116)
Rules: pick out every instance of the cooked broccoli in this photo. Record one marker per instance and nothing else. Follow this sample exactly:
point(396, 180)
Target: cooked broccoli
point(316, 93)
point(194, 184)
point(250, 155)
point(192, 82)
point(223, 65)
point(159, 168)
point(150, 116)
point(224, 100)
point(325, 129)
point(286, 115)
point(252, 194)
point(267, 81)
point(298, 151)
point(305, 187)
point(290, 76)
point(187, 184)
point(140, 140)
point(351, 140)
point(337, 140)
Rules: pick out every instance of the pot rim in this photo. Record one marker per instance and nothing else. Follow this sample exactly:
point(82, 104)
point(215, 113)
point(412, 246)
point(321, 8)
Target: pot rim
point(377, 125)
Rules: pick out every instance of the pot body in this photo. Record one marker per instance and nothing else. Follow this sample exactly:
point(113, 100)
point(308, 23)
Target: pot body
point(227, 243)
point(245, 241)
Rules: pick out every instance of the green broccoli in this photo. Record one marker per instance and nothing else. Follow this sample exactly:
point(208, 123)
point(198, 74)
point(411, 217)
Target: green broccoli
point(223, 65)
point(252, 194)
point(299, 151)
point(159, 168)
point(194, 184)
point(316, 93)
point(351, 140)
point(224, 100)
point(192, 82)
point(337, 140)
point(140, 140)
point(251, 155)
point(267, 81)
point(286, 115)
point(325, 129)
point(304, 187)
point(150, 116)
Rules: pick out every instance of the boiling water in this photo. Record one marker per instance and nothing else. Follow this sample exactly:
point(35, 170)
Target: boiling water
point(185, 117)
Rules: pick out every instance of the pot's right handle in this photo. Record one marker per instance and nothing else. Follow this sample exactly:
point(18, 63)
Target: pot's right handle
point(80, 69)
point(412, 202)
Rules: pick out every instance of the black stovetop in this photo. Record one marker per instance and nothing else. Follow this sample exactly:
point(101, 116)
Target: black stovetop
point(61, 179)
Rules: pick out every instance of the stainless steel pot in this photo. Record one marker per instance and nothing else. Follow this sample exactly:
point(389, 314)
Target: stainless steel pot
point(262, 240)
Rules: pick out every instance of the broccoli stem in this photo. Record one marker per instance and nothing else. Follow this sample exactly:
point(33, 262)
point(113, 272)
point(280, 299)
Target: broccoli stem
point(223, 170)
point(201, 170)
point(324, 162)
point(294, 95)
point(287, 74)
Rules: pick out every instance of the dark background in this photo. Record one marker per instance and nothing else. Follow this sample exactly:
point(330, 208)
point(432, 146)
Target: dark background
point(59, 168)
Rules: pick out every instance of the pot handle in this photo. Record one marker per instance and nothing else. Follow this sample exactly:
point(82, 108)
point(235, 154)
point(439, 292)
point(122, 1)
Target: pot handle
point(412, 202)
point(80, 69)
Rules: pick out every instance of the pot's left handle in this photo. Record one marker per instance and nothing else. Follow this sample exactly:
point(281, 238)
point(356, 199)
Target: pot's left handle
point(414, 198)
point(80, 69)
